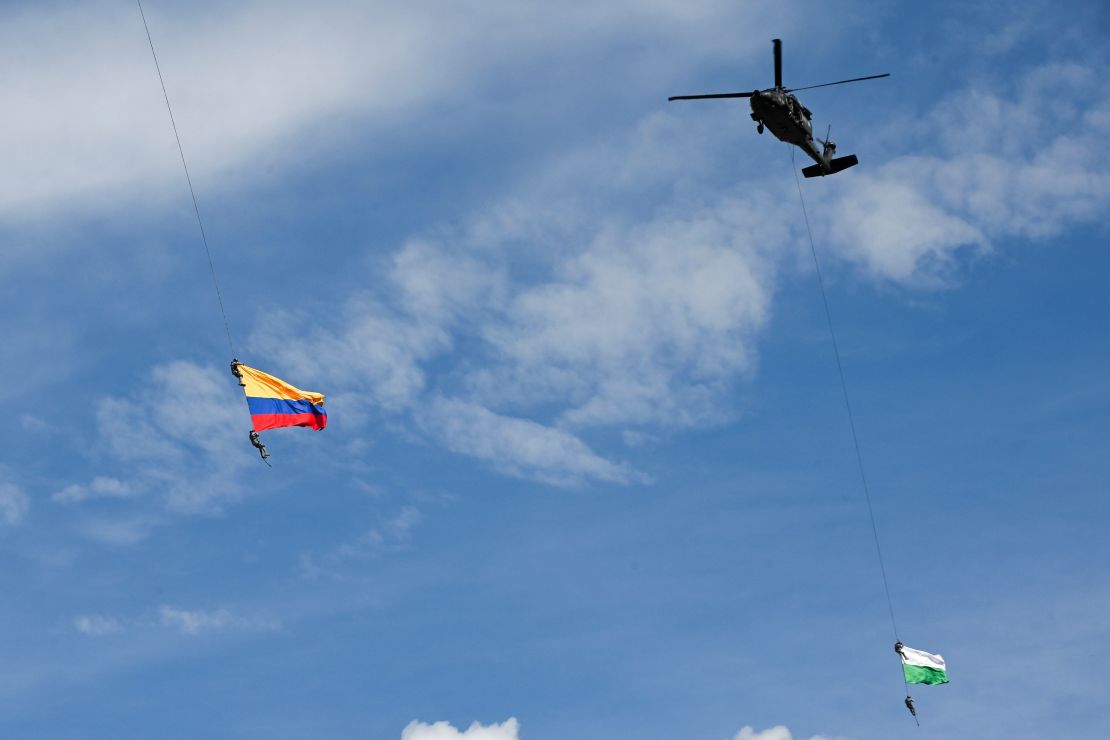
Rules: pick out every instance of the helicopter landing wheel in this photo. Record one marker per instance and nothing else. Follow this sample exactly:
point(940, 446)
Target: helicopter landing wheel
point(759, 128)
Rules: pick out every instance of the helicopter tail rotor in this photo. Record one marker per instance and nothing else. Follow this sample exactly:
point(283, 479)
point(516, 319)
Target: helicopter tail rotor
point(830, 147)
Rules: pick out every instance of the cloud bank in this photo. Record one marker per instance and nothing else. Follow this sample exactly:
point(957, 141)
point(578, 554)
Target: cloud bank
point(619, 291)
point(261, 84)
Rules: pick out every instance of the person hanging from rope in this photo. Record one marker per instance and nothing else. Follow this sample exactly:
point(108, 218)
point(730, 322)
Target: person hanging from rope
point(257, 442)
point(235, 371)
point(898, 648)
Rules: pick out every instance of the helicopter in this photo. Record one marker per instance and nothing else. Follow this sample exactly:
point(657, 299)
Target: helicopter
point(789, 120)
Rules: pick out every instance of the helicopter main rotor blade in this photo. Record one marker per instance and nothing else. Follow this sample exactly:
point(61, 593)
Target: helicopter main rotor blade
point(778, 61)
point(709, 97)
point(841, 82)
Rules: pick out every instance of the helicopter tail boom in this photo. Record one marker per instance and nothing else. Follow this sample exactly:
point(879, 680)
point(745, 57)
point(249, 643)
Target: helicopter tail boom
point(835, 165)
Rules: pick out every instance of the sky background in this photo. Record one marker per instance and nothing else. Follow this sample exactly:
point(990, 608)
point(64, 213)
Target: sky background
point(587, 472)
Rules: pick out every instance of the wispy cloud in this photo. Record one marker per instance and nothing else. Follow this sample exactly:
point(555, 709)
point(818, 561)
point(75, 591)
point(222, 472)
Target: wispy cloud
point(391, 535)
point(170, 448)
point(516, 446)
point(99, 487)
point(648, 325)
point(184, 414)
point(14, 504)
point(96, 625)
point(1004, 167)
point(194, 622)
point(189, 622)
point(32, 423)
point(253, 79)
point(643, 326)
point(121, 531)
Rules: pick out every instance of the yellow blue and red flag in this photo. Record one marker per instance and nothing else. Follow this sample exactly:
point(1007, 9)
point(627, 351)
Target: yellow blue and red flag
point(274, 403)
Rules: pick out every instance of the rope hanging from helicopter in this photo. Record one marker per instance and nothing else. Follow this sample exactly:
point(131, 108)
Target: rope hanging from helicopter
point(189, 181)
point(848, 409)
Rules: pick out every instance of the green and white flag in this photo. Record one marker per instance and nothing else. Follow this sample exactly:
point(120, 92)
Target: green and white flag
point(922, 667)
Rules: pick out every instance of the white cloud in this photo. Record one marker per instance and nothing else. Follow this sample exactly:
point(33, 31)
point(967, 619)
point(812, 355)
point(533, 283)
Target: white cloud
point(897, 231)
point(99, 487)
point(507, 730)
point(197, 621)
point(96, 625)
point(178, 444)
point(382, 353)
point(648, 325)
point(194, 622)
point(256, 83)
point(385, 340)
point(384, 350)
point(1002, 167)
point(13, 504)
point(177, 435)
point(645, 326)
point(240, 79)
point(778, 732)
point(445, 288)
point(516, 446)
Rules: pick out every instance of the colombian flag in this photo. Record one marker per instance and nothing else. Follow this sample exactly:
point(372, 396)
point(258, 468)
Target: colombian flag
point(274, 403)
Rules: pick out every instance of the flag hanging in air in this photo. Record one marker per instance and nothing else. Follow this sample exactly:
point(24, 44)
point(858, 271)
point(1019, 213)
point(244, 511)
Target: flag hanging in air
point(274, 403)
point(922, 667)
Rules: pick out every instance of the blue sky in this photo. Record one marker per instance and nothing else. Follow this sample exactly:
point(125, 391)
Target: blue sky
point(588, 472)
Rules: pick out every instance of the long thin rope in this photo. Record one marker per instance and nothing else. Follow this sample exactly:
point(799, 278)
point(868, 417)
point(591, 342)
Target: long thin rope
point(189, 180)
point(847, 401)
point(851, 416)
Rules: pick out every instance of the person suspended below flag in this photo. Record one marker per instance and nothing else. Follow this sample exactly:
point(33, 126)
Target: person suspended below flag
point(274, 403)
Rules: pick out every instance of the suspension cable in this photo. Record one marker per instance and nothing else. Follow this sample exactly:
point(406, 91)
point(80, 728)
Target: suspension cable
point(847, 401)
point(189, 180)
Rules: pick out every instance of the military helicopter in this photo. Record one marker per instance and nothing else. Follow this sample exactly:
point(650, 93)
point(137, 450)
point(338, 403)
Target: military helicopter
point(789, 120)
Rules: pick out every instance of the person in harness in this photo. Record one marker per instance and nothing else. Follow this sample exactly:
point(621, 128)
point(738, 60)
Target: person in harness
point(257, 442)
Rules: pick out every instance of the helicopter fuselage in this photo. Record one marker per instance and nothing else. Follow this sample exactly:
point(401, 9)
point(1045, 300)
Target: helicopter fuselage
point(788, 120)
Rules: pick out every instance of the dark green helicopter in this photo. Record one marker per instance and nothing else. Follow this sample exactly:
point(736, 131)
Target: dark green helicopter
point(789, 120)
